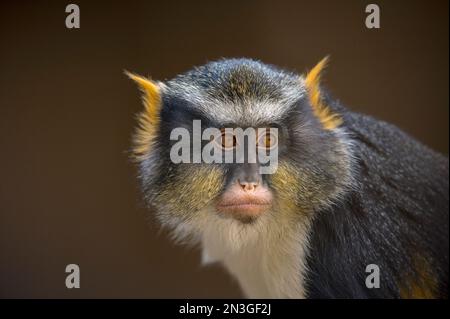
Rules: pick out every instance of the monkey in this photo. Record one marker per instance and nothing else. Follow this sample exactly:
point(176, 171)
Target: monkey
point(348, 191)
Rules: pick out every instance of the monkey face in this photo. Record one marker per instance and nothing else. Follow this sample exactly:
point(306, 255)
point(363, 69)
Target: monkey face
point(312, 159)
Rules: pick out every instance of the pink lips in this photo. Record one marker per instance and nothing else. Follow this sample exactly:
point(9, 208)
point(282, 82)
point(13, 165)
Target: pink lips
point(245, 208)
point(240, 204)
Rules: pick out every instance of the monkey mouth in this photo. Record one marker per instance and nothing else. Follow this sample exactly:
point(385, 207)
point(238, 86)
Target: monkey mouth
point(244, 211)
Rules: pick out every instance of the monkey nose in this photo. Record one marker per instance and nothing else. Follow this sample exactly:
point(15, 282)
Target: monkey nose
point(248, 186)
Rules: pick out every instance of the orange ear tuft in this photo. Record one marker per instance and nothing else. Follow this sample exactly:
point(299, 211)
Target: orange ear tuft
point(148, 120)
point(328, 119)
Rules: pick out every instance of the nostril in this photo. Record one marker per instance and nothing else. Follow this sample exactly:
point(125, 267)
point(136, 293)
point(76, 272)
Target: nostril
point(248, 186)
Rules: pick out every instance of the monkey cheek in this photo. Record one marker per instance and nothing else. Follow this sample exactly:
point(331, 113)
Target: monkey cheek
point(191, 189)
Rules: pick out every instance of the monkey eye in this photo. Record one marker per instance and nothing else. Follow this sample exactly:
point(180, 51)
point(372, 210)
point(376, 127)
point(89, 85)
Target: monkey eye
point(267, 140)
point(227, 140)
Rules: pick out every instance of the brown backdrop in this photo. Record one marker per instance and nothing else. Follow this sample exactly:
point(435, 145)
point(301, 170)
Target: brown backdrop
point(68, 193)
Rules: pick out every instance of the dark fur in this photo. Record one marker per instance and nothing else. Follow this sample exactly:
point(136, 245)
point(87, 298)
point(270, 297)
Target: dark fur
point(397, 214)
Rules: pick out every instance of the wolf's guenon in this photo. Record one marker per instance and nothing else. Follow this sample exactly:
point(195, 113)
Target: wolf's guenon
point(349, 190)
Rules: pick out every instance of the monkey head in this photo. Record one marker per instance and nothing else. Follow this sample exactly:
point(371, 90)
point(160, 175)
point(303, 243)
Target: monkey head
point(313, 155)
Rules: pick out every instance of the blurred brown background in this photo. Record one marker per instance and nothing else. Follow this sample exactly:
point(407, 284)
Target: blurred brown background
point(68, 193)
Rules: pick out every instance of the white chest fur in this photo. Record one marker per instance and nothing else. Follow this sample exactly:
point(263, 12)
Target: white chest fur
point(267, 260)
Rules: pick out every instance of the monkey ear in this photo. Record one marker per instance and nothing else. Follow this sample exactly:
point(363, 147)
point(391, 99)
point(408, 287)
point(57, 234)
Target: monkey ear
point(148, 120)
point(323, 112)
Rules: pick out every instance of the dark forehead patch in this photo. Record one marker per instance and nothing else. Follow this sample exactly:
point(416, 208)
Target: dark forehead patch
point(244, 82)
point(239, 79)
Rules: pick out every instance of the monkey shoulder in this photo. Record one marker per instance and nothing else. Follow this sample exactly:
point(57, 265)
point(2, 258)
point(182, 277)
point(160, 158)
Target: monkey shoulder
point(396, 217)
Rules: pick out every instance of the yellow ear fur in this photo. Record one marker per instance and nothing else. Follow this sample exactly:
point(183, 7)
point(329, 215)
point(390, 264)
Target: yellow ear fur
point(148, 120)
point(328, 119)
